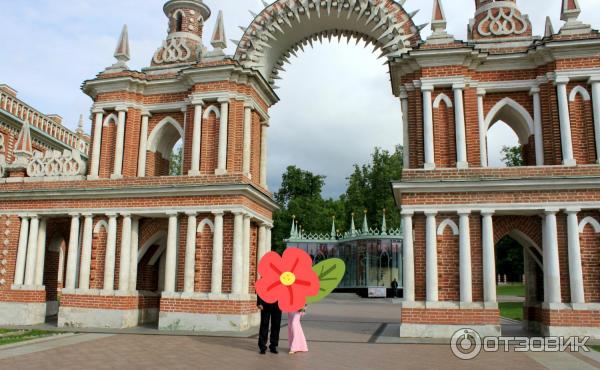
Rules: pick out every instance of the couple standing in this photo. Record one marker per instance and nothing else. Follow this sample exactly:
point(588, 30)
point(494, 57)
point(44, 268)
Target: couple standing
point(270, 313)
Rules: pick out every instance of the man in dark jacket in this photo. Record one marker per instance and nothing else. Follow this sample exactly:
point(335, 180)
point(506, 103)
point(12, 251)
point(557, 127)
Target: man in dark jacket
point(394, 288)
point(269, 312)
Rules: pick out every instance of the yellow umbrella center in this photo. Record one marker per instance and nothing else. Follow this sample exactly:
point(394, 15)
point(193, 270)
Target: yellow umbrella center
point(287, 278)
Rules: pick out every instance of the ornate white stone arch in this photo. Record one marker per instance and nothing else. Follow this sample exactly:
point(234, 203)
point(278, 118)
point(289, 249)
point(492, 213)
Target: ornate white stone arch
point(444, 98)
point(447, 223)
point(581, 91)
point(110, 119)
point(212, 109)
point(514, 115)
point(164, 136)
point(285, 26)
point(102, 224)
point(160, 238)
point(206, 222)
point(589, 221)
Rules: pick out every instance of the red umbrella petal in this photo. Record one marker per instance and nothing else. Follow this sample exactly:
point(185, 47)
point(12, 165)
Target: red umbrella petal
point(290, 300)
point(270, 290)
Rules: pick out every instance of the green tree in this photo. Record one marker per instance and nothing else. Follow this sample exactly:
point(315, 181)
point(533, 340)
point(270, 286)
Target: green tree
point(513, 156)
point(369, 188)
point(175, 161)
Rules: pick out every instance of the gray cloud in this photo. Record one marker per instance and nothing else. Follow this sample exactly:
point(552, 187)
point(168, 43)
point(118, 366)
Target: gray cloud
point(336, 100)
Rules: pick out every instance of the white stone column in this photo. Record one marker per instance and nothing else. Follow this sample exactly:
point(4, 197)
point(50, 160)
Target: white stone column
point(268, 236)
point(428, 138)
point(143, 144)
point(459, 122)
point(32, 250)
point(246, 165)
point(537, 126)
point(217, 255)
point(124, 259)
point(408, 257)
point(596, 107)
point(22, 251)
point(73, 253)
point(171, 254)
point(41, 253)
point(466, 277)
point(86, 252)
point(263, 154)
point(223, 138)
point(551, 261)
point(237, 280)
point(482, 128)
point(96, 144)
point(431, 260)
point(405, 130)
point(565, 122)
point(133, 260)
point(196, 138)
point(489, 257)
point(111, 248)
point(262, 243)
point(246, 281)
point(120, 144)
point(575, 267)
point(190, 253)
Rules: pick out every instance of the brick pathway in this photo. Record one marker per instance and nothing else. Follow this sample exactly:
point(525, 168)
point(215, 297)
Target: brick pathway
point(342, 336)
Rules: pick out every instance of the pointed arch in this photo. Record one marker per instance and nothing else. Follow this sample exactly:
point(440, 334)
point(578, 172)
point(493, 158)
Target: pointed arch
point(110, 119)
point(206, 222)
point(442, 97)
point(102, 224)
point(514, 115)
point(160, 236)
point(581, 91)
point(164, 136)
point(447, 223)
point(212, 109)
point(589, 221)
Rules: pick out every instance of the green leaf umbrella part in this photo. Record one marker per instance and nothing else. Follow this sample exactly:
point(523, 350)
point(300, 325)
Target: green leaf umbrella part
point(330, 273)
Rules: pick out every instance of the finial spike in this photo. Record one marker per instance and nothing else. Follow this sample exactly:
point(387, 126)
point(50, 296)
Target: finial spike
point(570, 10)
point(352, 226)
point(333, 233)
point(23, 148)
point(438, 18)
point(122, 53)
point(549, 30)
point(384, 224)
point(219, 40)
point(365, 226)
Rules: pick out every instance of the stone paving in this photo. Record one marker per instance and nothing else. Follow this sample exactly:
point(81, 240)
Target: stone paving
point(343, 334)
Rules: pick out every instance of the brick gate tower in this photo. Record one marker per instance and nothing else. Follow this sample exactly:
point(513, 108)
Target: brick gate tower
point(455, 208)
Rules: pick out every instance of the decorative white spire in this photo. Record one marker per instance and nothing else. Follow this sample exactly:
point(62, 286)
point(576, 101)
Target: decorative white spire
point(384, 224)
point(569, 13)
point(333, 232)
point(219, 41)
point(352, 226)
point(438, 25)
point(365, 226)
point(122, 53)
point(293, 229)
point(23, 148)
point(80, 125)
point(549, 31)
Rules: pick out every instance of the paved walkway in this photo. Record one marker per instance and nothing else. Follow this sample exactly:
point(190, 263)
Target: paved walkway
point(343, 334)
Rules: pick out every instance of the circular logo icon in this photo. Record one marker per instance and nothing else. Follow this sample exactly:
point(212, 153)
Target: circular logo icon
point(466, 344)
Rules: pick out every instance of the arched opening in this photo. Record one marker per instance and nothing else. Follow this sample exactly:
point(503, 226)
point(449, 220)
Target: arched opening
point(520, 282)
point(165, 149)
point(509, 135)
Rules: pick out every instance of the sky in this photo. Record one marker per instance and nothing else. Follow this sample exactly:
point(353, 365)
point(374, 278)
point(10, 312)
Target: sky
point(336, 100)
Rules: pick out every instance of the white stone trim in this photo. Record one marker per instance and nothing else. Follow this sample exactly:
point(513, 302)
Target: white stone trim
point(579, 90)
point(442, 97)
point(447, 223)
point(110, 119)
point(206, 222)
point(160, 235)
point(523, 135)
point(591, 221)
point(212, 109)
point(99, 225)
point(500, 208)
point(155, 136)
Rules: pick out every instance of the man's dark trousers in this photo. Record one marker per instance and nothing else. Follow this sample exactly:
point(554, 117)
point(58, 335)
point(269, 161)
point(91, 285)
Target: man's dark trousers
point(269, 314)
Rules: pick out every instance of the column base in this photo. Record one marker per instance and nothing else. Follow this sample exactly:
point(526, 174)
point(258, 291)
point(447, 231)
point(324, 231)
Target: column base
point(446, 331)
point(116, 177)
point(462, 165)
point(220, 172)
point(194, 173)
point(570, 163)
point(429, 166)
point(22, 314)
point(570, 331)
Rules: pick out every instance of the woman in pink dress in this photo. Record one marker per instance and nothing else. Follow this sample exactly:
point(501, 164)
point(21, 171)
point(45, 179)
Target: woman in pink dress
point(295, 333)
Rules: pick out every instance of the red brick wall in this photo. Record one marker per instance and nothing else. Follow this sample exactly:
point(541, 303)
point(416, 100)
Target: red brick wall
point(204, 246)
point(582, 128)
point(98, 255)
point(419, 249)
point(444, 132)
point(210, 144)
point(208, 307)
point(450, 316)
point(448, 263)
point(590, 259)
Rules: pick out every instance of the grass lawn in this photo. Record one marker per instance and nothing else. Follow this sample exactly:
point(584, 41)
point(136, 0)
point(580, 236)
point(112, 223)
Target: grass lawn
point(595, 348)
point(16, 336)
point(517, 290)
point(511, 310)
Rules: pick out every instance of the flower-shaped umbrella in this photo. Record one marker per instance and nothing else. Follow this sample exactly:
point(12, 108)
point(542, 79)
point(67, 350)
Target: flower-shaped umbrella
point(287, 279)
